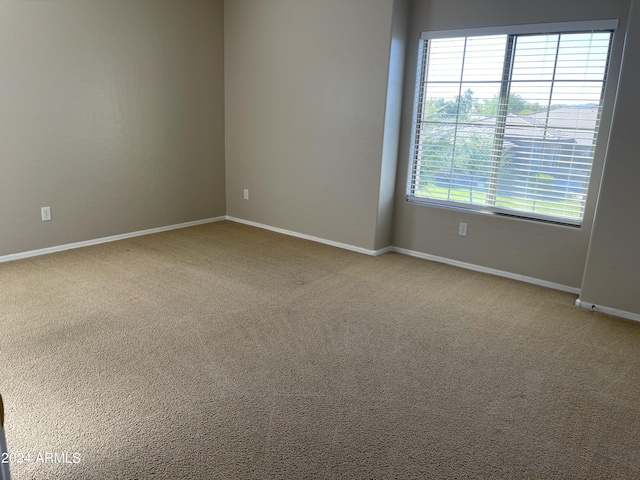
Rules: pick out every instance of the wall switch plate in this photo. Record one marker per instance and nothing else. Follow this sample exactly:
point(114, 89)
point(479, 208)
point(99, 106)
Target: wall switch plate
point(46, 213)
point(462, 230)
point(246, 194)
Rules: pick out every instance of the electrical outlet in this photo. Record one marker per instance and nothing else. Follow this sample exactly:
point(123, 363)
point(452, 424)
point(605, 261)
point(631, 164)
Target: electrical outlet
point(246, 194)
point(462, 230)
point(46, 213)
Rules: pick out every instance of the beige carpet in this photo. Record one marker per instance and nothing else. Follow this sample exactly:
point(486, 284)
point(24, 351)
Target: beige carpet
point(225, 351)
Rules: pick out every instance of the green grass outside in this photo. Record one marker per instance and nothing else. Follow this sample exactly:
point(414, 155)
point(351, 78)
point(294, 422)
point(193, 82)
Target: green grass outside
point(567, 208)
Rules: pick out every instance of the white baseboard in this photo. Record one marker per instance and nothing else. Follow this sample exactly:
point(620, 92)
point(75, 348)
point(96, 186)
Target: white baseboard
point(412, 253)
point(383, 251)
point(492, 271)
point(608, 310)
point(97, 241)
point(304, 236)
point(353, 248)
point(468, 266)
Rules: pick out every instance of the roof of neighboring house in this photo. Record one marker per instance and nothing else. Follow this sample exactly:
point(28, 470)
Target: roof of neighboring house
point(571, 124)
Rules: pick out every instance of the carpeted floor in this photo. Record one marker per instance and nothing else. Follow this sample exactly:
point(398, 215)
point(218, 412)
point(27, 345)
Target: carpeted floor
point(229, 352)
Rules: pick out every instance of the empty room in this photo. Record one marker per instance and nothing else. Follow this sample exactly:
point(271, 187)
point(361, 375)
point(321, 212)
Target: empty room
point(358, 239)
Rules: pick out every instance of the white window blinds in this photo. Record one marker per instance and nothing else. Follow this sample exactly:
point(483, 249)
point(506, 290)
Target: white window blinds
point(508, 123)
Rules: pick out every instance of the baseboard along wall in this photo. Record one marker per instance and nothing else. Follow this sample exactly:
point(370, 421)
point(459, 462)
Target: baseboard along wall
point(353, 248)
point(291, 233)
point(112, 238)
point(608, 310)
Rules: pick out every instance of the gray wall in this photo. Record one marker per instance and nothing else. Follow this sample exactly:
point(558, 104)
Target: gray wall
point(112, 114)
point(305, 97)
point(612, 275)
point(549, 252)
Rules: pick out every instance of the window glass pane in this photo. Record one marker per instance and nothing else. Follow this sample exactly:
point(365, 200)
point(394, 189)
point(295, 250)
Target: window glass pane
point(582, 118)
point(471, 163)
point(445, 59)
point(577, 93)
point(441, 102)
point(582, 56)
point(526, 98)
point(484, 58)
point(436, 148)
point(535, 57)
point(484, 99)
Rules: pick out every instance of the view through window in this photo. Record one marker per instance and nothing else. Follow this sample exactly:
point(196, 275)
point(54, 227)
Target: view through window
point(508, 123)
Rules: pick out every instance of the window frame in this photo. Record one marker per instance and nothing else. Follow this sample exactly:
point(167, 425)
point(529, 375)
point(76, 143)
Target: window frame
point(610, 25)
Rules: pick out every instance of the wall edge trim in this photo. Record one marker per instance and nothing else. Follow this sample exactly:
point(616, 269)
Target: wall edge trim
point(413, 253)
point(345, 246)
point(491, 271)
point(608, 310)
point(304, 236)
point(113, 238)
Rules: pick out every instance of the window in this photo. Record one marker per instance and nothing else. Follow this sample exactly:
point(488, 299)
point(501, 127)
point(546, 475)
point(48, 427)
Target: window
point(507, 122)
